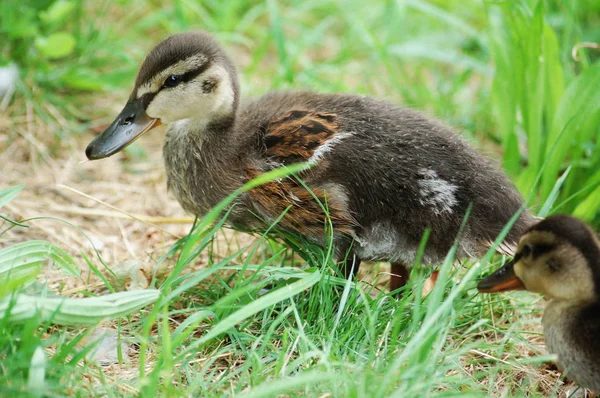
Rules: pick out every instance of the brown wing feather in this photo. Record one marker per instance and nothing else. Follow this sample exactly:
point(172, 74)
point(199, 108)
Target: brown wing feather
point(306, 212)
point(293, 138)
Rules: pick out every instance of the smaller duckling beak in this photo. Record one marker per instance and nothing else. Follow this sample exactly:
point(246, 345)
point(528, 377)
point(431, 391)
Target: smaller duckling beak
point(131, 123)
point(504, 279)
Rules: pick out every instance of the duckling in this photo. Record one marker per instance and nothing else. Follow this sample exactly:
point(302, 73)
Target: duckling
point(559, 257)
point(380, 173)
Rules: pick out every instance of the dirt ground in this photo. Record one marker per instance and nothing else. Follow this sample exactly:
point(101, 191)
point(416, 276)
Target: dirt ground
point(120, 207)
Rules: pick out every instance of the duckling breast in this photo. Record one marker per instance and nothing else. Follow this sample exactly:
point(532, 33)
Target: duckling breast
point(200, 171)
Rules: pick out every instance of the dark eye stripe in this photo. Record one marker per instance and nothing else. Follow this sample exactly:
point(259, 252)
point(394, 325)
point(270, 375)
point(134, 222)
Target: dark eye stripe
point(147, 98)
point(186, 77)
point(191, 75)
point(172, 81)
point(540, 249)
point(517, 257)
point(536, 251)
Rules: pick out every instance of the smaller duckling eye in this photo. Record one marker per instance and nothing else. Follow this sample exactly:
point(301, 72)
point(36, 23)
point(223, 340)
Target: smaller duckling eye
point(527, 250)
point(172, 81)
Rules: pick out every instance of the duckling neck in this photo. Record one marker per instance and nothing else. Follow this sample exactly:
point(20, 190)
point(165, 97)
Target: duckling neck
point(570, 331)
point(202, 165)
point(557, 310)
point(559, 317)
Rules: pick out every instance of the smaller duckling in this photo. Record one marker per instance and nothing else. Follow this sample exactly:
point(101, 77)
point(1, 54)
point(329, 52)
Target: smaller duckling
point(559, 257)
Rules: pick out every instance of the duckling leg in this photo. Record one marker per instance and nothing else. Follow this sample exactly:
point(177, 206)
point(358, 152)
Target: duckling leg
point(399, 277)
point(350, 265)
point(349, 262)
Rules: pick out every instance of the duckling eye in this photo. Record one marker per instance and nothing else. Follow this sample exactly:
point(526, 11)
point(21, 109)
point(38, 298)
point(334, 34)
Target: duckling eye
point(526, 251)
point(172, 81)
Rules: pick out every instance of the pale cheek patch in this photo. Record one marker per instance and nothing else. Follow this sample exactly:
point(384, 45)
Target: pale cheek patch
point(222, 95)
point(576, 281)
point(164, 107)
point(571, 281)
point(185, 101)
point(436, 192)
point(530, 277)
point(190, 101)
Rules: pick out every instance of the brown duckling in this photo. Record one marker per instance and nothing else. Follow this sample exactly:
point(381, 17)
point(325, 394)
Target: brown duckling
point(383, 173)
point(560, 258)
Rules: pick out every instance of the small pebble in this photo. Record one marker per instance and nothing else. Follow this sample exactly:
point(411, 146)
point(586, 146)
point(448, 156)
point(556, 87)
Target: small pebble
point(105, 352)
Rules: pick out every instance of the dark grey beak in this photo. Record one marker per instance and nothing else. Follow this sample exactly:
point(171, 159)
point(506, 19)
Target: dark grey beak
point(131, 123)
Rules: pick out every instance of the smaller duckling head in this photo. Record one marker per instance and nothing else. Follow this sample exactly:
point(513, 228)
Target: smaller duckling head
point(557, 257)
point(185, 77)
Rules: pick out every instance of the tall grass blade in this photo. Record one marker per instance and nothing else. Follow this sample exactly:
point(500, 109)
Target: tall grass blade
point(260, 304)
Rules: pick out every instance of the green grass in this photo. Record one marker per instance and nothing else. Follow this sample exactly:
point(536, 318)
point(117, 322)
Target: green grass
point(501, 72)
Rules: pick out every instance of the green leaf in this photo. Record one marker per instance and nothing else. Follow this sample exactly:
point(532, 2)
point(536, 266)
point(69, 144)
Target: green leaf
point(555, 84)
point(280, 386)
point(64, 261)
point(82, 78)
point(36, 381)
point(57, 45)
point(11, 283)
point(422, 50)
point(24, 256)
point(554, 194)
point(589, 207)
point(76, 311)
point(18, 22)
point(58, 12)
point(8, 194)
point(579, 104)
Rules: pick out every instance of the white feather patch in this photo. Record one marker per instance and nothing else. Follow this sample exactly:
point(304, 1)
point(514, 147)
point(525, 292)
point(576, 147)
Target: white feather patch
point(327, 147)
point(436, 192)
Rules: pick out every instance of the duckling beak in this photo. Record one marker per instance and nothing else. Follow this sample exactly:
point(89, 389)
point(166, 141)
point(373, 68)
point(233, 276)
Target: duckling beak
point(131, 123)
point(504, 279)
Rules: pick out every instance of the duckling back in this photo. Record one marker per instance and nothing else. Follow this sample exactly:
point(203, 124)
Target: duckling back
point(395, 171)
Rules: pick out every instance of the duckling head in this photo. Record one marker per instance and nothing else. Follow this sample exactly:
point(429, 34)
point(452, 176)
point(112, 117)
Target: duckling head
point(185, 77)
point(557, 257)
